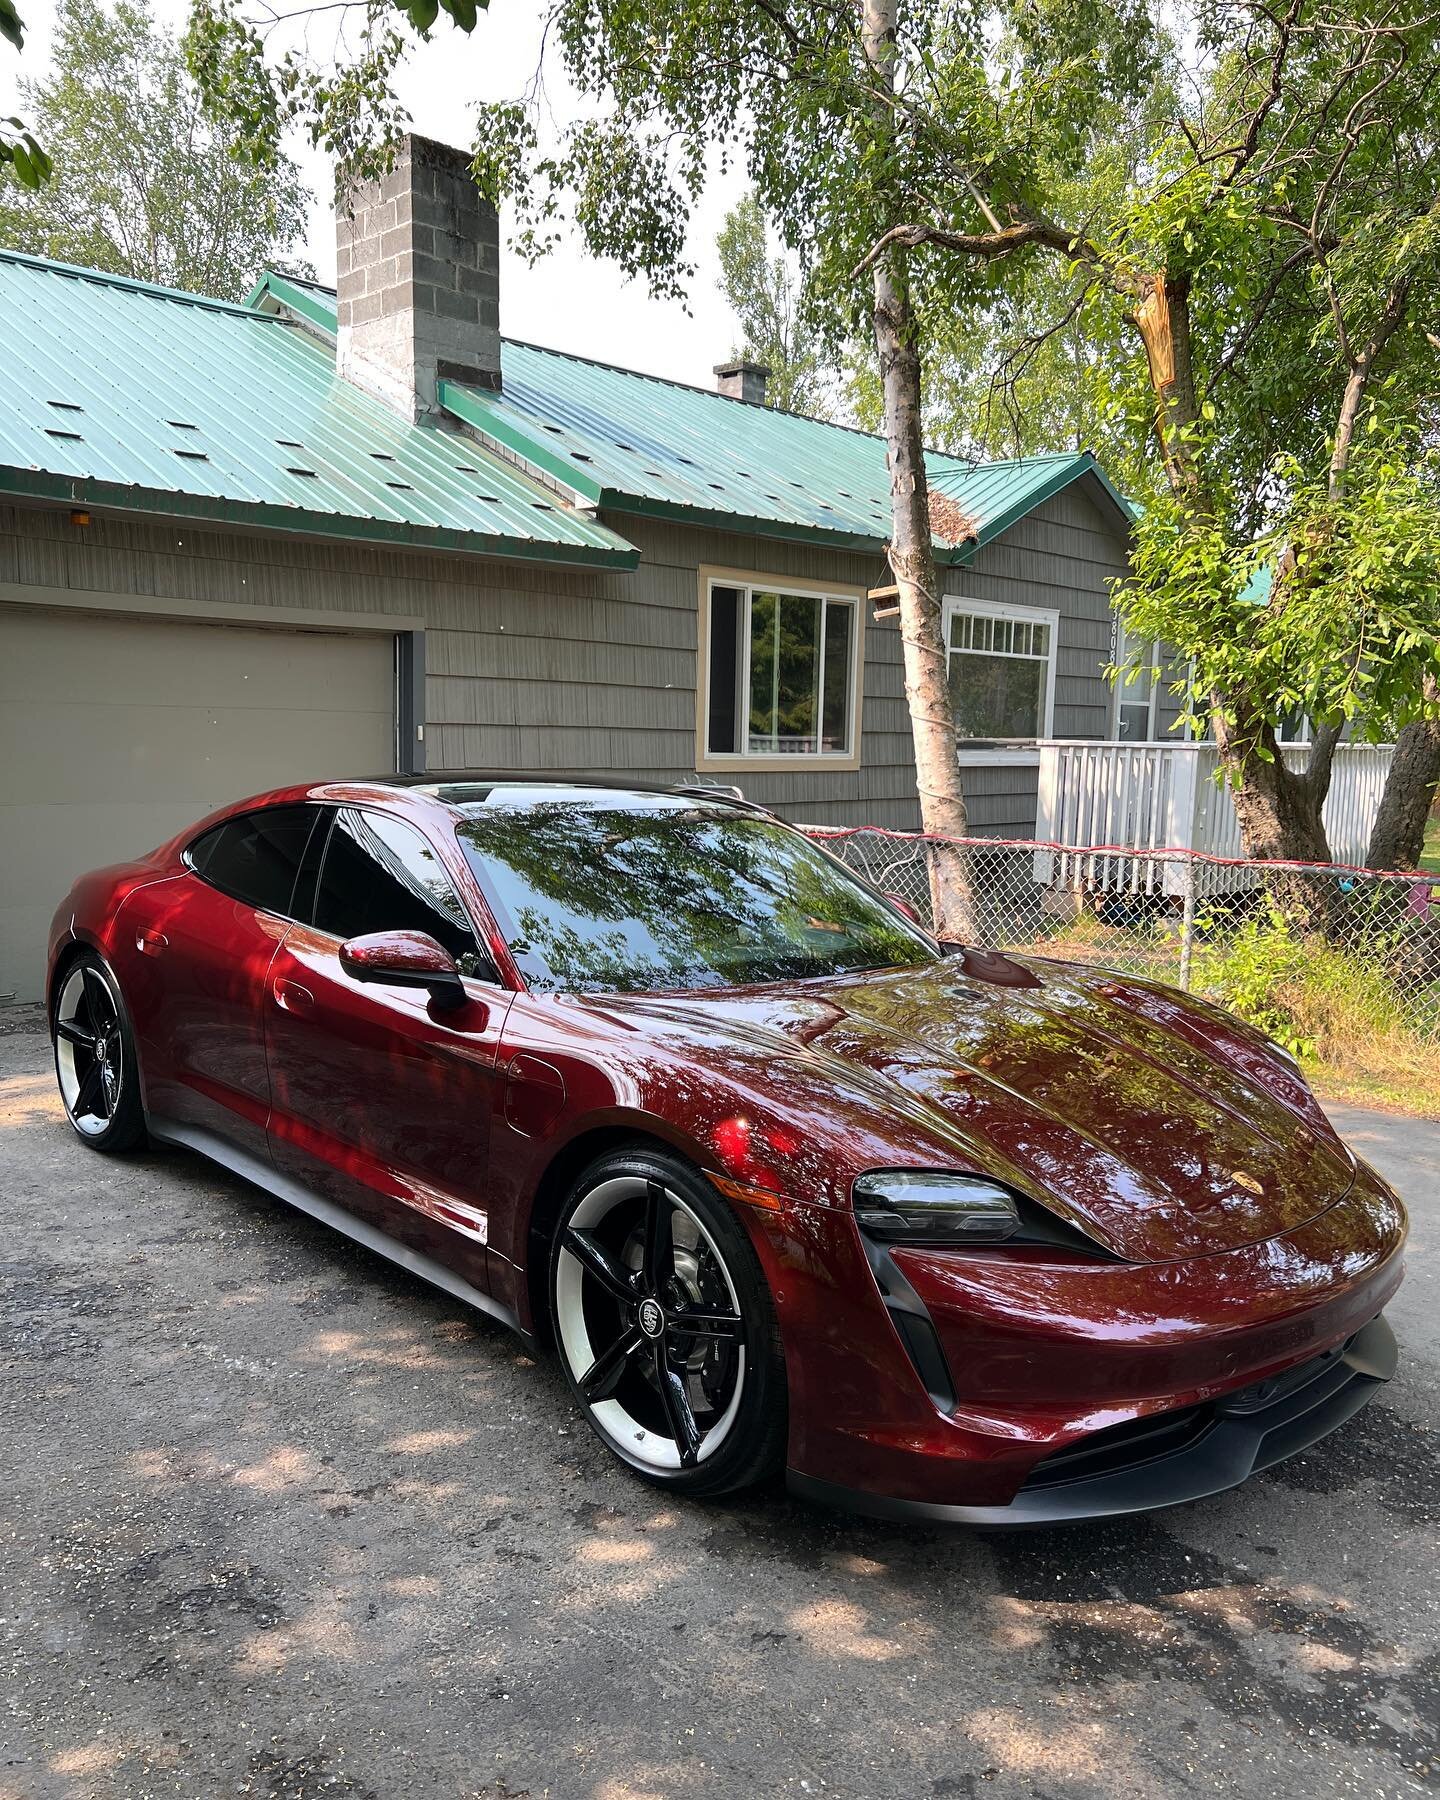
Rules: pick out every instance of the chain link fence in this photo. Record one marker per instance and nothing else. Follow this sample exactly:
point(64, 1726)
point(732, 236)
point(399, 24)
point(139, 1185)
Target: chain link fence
point(1273, 939)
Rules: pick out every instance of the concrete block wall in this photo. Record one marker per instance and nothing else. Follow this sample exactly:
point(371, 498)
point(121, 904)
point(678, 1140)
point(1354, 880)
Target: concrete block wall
point(418, 279)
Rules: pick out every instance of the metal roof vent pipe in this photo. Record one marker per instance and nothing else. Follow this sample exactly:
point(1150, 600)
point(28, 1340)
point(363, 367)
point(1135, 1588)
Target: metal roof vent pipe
point(742, 380)
point(417, 279)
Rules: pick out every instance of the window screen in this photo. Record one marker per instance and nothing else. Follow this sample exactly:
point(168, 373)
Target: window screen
point(255, 858)
point(380, 875)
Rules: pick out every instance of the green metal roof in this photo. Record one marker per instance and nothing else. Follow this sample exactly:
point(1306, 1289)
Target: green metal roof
point(997, 495)
point(627, 442)
point(123, 396)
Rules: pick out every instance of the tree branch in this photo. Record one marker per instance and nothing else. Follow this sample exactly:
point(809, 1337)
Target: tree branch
point(1389, 322)
point(991, 246)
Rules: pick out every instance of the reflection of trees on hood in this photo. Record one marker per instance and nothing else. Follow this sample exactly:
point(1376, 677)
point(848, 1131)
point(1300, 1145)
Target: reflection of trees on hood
point(608, 898)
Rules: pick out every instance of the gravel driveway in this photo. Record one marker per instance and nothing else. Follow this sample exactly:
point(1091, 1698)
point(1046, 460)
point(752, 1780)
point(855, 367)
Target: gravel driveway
point(277, 1521)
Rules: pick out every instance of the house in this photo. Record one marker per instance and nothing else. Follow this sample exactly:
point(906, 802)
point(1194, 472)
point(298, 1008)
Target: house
point(326, 532)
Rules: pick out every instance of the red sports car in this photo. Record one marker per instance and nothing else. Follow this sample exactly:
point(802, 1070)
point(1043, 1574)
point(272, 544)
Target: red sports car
point(786, 1181)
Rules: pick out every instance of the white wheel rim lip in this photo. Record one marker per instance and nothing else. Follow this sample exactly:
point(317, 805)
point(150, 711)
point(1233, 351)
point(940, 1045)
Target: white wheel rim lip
point(90, 1124)
point(635, 1442)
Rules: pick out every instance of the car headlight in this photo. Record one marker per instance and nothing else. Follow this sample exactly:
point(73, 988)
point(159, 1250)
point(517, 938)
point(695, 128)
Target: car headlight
point(918, 1207)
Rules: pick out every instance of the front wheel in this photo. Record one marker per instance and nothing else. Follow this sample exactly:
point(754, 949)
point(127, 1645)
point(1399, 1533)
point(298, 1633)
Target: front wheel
point(666, 1327)
point(95, 1061)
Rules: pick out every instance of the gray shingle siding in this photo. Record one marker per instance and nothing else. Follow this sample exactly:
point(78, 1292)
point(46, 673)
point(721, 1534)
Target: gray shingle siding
point(578, 672)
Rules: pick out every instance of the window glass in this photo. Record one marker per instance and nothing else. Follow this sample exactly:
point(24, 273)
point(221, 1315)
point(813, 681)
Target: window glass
point(255, 858)
point(1135, 697)
point(1293, 727)
point(595, 896)
point(380, 875)
point(781, 673)
point(727, 630)
point(999, 670)
point(839, 623)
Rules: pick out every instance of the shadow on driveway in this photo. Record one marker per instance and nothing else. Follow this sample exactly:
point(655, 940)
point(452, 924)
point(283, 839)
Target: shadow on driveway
point(278, 1521)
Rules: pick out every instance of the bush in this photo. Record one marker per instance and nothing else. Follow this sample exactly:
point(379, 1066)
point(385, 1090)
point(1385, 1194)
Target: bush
point(1254, 971)
point(1339, 1010)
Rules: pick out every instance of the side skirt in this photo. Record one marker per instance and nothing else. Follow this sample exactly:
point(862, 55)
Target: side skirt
point(264, 1175)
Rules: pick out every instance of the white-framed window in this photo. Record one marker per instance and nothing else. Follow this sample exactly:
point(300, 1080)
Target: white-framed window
point(1137, 697)
point(780, 672)
point(1001, 665)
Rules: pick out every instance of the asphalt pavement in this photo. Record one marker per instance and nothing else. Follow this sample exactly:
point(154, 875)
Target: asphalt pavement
point(276, 1520)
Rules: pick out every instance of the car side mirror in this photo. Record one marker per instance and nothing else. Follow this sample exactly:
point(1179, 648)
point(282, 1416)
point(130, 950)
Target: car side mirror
point(901, 904)
point(405, 959)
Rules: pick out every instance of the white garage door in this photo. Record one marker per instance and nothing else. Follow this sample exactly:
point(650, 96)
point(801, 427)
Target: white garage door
point(116, 732)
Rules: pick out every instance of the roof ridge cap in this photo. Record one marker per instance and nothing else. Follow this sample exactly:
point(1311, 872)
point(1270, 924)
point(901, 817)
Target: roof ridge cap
point(965, 463)
point(691, 387)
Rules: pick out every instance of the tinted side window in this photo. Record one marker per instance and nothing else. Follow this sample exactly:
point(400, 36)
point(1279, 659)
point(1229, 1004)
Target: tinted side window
point(379, 875)
point(255, 858)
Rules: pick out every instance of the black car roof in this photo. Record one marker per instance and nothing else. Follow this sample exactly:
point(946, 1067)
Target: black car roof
point(466, 787)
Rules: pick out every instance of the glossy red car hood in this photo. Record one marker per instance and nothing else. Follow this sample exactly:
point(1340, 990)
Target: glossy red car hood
point(1156, 1124)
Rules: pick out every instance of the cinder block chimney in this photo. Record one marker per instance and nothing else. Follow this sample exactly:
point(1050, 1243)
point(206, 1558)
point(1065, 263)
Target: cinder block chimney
point(418, 278)
point(742, 380)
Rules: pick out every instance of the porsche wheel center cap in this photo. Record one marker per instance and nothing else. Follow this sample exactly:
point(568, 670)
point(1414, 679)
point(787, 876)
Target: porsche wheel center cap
point(651, 1319)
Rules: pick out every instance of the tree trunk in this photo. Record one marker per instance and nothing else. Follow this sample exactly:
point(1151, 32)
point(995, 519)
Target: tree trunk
point(912, 558)
point(1399, 830)
point(1279, 813)
point(1278, 809)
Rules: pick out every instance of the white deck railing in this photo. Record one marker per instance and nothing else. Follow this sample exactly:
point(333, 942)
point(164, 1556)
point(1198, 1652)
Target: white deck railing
point(1165, 796)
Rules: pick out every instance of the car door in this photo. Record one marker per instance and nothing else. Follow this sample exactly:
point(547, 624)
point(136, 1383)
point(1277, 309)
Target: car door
point(192, 955)
point(380, 1100)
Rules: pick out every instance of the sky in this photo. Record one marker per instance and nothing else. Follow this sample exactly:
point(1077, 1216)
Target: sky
point(569, 301)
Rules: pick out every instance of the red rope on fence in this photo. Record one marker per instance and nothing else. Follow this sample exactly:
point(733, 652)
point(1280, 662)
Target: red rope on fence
point(1418, 877)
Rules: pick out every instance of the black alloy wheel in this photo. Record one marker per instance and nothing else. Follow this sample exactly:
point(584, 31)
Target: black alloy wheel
point(665, 1325)
point(95, 1061)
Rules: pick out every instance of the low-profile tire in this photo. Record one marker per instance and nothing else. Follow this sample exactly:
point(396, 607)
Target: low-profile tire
point(665, 1326)
point(95, 1061)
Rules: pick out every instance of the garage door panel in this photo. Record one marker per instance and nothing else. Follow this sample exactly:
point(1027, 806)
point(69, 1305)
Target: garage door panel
point(115, 733)
point(156, 662)
point(193, 754)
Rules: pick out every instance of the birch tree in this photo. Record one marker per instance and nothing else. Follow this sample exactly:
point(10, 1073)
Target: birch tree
point(1238, 198)
point(146, 184)
point(840, 116)
point(763, 292)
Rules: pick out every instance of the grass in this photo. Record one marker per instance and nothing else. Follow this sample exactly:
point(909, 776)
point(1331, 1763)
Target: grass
point(1339, 1012)
point(1430, 853)
point(1359, 1049)
point(1382, 1090)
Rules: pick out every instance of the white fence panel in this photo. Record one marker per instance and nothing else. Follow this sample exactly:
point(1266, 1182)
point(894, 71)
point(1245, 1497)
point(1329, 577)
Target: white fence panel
point(1165, 796)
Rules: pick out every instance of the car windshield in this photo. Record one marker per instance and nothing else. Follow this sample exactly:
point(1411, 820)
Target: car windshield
point(599, 896)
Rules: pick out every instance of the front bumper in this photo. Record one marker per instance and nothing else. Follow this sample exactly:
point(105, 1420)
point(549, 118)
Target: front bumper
point(1043, 1359)
point(1167, 1458)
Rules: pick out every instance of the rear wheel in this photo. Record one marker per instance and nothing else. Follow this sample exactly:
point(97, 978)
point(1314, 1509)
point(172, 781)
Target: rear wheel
point(665, 1326)
point(95, 1061)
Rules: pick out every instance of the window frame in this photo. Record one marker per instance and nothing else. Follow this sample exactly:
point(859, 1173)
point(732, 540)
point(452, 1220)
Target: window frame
point(749, 581)
point(1025, 752)
point(1127, 646)
point(495, 978)
point(317, 829)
